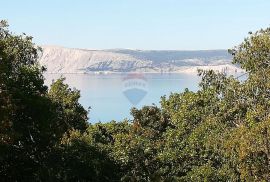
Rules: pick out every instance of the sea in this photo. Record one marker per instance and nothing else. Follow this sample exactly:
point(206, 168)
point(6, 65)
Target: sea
point(111, 96)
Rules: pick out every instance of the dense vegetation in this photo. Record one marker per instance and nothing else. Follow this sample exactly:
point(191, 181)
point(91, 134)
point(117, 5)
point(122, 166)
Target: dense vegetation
point(219, 133)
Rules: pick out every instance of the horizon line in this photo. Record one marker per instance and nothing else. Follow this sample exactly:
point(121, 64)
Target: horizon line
point(131, 49)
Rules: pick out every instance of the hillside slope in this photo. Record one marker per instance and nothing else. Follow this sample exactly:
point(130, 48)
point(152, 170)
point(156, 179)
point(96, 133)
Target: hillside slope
point(66, 60)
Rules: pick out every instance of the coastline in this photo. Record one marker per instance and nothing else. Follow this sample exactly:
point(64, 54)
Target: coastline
point(230, 69)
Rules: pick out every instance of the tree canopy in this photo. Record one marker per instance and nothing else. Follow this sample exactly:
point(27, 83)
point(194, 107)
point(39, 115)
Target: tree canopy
point(221, 132)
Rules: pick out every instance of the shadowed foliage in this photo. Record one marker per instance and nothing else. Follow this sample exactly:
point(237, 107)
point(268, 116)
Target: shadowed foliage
point(219, 133)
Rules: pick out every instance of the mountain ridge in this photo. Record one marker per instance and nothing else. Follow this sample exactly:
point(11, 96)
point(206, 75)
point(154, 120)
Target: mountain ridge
point(59, 59)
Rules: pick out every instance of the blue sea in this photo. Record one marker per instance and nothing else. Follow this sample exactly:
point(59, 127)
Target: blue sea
point(111, 96)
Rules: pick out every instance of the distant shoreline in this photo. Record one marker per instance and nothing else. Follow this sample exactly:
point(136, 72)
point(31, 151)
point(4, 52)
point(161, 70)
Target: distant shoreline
point(189, 70)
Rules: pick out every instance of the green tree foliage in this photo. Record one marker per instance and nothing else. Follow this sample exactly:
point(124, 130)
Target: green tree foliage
point(66, 102)
point(78, 158)
point(25, 111)
point(142, 143)
point(35, 121)
point(219, 133)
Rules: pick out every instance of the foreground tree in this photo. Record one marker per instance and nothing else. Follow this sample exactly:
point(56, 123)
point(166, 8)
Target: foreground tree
point(33, 121)
point(26, 115)
point(219, 133)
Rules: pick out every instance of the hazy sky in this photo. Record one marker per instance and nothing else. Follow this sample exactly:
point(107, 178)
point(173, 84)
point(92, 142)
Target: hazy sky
point(137, 24)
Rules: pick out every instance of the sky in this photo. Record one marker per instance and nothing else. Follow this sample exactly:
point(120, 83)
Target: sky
point(137, 24)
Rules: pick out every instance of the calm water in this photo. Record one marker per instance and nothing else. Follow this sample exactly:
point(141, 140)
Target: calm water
point(112, 96)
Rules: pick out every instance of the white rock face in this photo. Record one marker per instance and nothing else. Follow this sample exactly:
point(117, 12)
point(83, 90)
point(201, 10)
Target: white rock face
point(66, 60)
